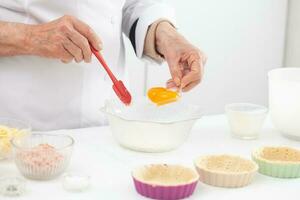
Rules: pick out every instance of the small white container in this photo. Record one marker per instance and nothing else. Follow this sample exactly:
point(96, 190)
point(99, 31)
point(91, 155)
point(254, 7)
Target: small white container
point(76, 182)
point(245, 119)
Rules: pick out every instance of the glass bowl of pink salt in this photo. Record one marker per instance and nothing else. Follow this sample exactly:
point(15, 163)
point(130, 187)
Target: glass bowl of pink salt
point(42, 156)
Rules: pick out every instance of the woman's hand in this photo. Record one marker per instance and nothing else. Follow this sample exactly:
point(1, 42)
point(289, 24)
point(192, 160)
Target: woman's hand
point(186, 62)
point(66, 38)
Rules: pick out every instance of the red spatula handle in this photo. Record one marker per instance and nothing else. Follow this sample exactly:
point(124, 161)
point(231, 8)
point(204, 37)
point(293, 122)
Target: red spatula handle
point(103, 63)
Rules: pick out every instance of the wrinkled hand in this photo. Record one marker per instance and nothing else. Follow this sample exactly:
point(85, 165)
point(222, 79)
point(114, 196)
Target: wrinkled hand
point(66, 38)
point(185, 61)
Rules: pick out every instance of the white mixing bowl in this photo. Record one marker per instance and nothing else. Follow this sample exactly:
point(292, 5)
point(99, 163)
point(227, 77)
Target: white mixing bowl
point(145, 127)
point(284, 100)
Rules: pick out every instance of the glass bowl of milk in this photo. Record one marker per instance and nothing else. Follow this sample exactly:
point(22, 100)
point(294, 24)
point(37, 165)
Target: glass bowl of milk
point(246, 119)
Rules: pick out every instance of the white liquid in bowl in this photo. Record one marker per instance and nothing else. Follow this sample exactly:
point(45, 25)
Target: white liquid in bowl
point(145, 127)
point(246, 120)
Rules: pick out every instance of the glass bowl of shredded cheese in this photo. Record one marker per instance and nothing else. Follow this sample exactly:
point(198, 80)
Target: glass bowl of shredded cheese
point(10, 129)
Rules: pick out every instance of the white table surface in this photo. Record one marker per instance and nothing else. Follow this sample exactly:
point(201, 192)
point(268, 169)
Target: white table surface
point(109, 165)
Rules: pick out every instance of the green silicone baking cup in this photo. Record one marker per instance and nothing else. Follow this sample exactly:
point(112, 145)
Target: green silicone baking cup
point(279, 170)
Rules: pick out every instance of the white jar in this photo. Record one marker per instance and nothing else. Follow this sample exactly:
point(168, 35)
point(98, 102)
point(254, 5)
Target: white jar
point(284, 100)
point(245, 119)
point(75, 182)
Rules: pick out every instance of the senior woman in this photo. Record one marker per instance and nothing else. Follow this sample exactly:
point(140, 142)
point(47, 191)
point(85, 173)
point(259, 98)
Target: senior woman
point(44, 46)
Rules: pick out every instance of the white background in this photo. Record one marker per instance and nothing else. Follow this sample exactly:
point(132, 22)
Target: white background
point(292, 53)
point(243, 41)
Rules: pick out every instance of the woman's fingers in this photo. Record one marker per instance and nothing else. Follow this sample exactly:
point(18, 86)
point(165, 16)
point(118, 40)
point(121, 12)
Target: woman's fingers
point(171, 84)
point(174, 67)
point(190, 86)
point(186, 70)
point(66, 34)
point(194, 71)
point(66, 61)
point(88, 33)
point(194, 74)
point(83, 44)
point(74, 50)
point(66, 57)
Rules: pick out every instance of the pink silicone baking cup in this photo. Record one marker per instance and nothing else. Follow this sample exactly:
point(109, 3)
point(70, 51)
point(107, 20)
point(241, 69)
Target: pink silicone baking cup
point(164, 192)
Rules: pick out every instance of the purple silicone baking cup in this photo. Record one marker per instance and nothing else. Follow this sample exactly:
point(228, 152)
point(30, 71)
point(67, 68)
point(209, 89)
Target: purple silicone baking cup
point(164, 192)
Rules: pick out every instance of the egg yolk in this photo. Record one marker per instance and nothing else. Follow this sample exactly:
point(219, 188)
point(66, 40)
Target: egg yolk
point(161, 96)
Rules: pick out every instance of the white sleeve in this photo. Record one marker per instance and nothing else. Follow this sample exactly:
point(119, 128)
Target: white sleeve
point(138, 15)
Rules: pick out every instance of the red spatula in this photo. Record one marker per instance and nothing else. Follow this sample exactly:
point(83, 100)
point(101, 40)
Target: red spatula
point(118, 85)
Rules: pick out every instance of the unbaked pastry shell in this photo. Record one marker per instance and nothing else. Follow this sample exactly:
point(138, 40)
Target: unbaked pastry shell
point(165, 182)
point(279, 166)
point(226, 178)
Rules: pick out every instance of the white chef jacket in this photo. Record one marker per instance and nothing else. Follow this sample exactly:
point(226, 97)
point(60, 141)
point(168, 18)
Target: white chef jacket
point(53, 95)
